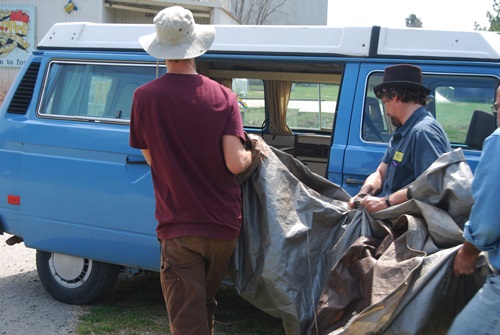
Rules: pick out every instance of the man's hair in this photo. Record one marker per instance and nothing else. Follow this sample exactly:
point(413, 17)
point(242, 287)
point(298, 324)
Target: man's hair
point(405, 95)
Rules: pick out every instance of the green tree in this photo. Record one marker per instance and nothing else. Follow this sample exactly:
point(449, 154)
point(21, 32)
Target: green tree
point(413, 21)
point(494, 17)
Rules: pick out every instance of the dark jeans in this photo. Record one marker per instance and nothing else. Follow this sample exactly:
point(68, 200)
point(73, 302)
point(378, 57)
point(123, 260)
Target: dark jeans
point(192, 270)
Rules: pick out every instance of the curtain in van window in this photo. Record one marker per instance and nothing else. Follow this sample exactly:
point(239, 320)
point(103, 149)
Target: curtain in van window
point(75, 76)
point(63, 89)
point(277, 96)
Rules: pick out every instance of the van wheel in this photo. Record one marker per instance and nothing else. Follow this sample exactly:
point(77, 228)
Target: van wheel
point(75, 280)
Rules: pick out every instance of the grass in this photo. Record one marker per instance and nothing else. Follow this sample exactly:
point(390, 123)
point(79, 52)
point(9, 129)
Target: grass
point(455, 118)
point(255, 116)
point(136, 307)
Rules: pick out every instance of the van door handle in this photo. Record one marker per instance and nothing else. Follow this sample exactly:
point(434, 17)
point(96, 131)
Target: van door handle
point(353, 181)
point(137, 160)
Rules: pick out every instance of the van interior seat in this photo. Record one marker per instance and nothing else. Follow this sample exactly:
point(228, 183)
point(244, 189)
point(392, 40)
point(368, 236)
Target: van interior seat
point(373, 122)
point(311, 149)
point(482, 124)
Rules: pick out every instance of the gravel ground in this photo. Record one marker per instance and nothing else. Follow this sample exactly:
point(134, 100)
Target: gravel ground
point(25, 307)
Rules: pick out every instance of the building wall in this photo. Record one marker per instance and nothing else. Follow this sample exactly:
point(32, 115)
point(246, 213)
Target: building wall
point(298, 12)
point(53, 11)
point(46, 14)
point(49, 12)
point(312, 12)
point(125, 16)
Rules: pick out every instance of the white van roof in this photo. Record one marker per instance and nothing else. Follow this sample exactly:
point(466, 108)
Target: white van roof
point(349, 41)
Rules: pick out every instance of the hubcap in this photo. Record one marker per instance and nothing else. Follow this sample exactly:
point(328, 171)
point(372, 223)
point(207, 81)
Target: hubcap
point(70, 271)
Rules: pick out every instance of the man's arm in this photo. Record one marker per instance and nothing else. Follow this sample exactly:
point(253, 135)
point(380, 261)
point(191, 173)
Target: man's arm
point(147, 155)
point(465, 260)
point(237, 158)
point(375, 204)
point(482, 231)
point(373, 184)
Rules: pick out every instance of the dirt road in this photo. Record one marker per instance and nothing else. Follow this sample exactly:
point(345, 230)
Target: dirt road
point(25, 306)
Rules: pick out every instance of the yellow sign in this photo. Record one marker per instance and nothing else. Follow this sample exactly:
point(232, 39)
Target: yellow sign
point(398, 156)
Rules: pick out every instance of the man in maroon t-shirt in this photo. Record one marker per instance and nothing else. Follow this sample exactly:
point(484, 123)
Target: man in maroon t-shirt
point(189, 129)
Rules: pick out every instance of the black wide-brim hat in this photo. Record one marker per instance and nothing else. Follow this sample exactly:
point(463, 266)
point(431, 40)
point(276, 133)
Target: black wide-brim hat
point(402, 76)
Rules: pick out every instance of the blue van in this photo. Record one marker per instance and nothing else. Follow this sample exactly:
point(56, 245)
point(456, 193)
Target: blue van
point(73, 189)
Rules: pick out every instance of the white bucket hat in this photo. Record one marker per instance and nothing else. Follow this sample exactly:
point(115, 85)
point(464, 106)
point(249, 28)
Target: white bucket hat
point(177, 35)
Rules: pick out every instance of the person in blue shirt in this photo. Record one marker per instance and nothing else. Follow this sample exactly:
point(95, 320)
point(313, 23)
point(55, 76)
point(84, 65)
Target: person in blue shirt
point(416, 143)
point(482, 233)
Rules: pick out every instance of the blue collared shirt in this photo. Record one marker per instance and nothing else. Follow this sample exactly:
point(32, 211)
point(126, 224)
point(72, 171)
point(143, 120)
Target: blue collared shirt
point(412, 149)
point(483, 227)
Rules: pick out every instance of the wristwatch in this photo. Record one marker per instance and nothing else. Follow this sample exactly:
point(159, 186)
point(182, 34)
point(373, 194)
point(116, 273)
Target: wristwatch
point(387, 202)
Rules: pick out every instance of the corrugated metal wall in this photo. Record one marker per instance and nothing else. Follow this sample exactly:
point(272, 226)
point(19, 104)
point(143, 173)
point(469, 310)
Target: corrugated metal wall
point(311, 12)
point(300, 12)
point(120, 15)
point(125, 16)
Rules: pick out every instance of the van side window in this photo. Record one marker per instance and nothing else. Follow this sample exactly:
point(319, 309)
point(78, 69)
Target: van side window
point(251, 100)
point(376, 126)
point(453, 101)
point(86, 91)
point(312, 106)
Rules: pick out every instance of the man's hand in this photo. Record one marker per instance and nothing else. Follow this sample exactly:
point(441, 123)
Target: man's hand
point(465, 260)
point(355, 202)
point(373, 204)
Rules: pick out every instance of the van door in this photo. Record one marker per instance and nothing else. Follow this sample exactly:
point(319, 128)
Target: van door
point(84, 190)
point(352, 159)
point(456, 92)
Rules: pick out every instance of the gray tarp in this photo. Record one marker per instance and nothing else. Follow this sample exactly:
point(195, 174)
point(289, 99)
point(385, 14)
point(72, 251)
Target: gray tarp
point(321, 267)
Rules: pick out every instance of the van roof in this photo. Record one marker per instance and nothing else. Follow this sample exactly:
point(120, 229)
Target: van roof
point(348, 41)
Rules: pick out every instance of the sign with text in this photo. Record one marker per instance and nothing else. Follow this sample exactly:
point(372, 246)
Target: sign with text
point(17, 34)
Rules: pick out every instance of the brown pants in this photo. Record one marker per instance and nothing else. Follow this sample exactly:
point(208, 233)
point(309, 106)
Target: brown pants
point(192, 270)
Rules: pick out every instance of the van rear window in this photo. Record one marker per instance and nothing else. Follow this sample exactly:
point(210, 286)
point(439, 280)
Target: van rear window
point(92, 91)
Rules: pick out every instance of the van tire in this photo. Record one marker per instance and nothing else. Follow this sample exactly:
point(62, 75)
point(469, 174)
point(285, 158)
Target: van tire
point(75, 280)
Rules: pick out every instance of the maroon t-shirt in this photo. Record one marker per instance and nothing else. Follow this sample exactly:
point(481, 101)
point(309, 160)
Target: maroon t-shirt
point(181, 120)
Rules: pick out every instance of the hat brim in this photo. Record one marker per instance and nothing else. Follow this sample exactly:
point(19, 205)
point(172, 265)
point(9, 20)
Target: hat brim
point(199, 42)
point(402, 84)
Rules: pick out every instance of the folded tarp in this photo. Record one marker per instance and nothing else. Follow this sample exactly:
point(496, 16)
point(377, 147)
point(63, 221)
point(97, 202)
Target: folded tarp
point(304, 256)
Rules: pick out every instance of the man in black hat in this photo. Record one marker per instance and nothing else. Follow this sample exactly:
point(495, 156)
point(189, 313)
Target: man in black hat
point(417, 142)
